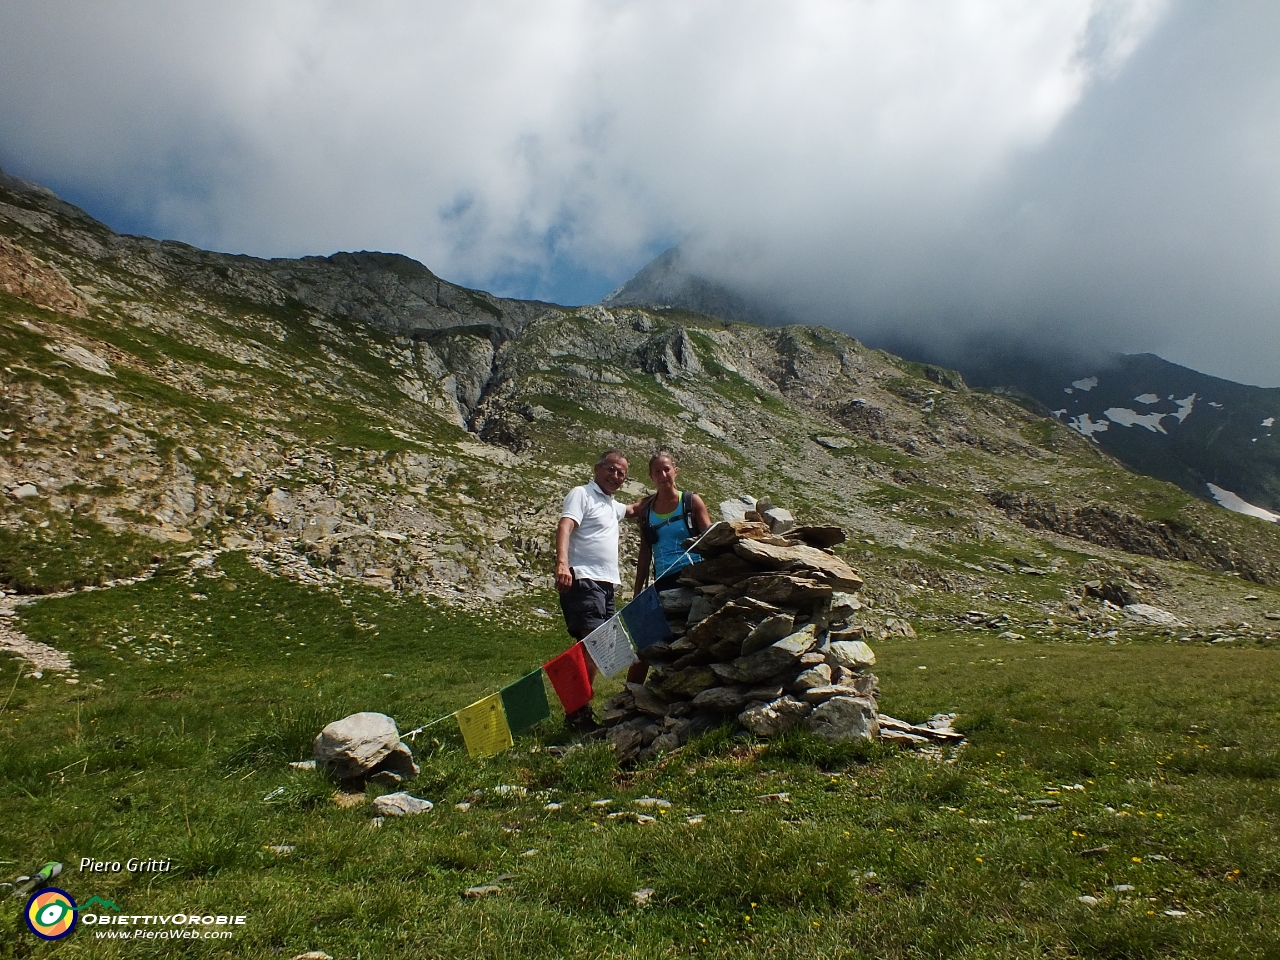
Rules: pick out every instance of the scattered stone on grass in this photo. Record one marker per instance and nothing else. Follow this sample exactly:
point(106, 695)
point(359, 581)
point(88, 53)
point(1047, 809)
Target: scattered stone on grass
point(642, 897)
point(487, 890)
point(400, 805)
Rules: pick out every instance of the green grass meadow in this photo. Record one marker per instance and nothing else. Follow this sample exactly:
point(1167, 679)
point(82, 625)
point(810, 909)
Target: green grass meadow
point(1140, 773)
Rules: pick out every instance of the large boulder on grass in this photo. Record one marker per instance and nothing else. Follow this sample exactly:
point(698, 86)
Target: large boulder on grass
point(361, 745)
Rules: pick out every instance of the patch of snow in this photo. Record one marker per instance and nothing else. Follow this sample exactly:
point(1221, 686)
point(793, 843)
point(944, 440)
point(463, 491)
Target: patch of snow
point(1185, 406)
point(1085, 427)
point(1216, 406)
point(1059, 413)
point(1234, 503)
point(1086, 385)
point(1124, 417)
point(1067, 390)
point(1147, 398)
point(1269, 422)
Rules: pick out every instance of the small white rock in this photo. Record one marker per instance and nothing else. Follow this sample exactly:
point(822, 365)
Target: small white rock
point(553, 807)
point(400, 805)
point(642, 897)
point(1088, 901)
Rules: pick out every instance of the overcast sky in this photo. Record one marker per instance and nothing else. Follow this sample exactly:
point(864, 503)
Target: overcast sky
point(1101, 172)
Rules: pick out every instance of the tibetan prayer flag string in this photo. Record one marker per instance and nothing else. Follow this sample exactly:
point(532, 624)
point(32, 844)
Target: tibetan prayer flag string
point(609, 647)
point(569, 678)
point(525, 702)
point(645, 620)
point(484, 726)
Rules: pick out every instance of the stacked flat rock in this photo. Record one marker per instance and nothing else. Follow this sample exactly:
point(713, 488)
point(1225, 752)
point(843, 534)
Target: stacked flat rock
point(762, 632)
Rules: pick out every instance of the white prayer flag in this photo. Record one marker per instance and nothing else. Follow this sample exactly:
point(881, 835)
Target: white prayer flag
point(610, 647)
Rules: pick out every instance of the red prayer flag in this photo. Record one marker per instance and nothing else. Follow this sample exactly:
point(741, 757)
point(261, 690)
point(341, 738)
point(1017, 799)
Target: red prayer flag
point(569, 678)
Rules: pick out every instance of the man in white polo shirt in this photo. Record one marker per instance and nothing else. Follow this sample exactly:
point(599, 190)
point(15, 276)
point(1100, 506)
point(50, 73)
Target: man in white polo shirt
point(587, 556)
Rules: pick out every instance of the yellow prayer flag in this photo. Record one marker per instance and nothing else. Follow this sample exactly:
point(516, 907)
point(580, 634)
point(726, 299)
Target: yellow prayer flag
point(484, 726)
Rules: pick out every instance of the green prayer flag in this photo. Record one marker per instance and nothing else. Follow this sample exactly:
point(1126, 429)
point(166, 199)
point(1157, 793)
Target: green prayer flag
point(526, 702)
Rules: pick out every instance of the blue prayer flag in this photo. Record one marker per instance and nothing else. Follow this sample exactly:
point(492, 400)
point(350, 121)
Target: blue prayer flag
point(645, 620)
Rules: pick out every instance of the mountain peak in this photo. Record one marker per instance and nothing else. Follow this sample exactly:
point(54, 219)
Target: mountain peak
point(668, 281)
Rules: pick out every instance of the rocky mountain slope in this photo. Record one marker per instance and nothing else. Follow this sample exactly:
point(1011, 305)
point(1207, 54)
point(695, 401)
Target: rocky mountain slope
point(1212, 437)
point(356, 416)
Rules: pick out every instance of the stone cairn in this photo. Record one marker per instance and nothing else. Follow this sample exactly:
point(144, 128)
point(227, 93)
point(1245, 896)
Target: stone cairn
point(762, 632)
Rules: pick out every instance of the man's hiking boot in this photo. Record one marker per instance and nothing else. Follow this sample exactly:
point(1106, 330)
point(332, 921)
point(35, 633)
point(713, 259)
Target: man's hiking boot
point(582, 720)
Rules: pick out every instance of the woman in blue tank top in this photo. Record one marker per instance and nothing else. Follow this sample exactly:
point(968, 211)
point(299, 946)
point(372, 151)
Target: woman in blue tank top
point(668, 519)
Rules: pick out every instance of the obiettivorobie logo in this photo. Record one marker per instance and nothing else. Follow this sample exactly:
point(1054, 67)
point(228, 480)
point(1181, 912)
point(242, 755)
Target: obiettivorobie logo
point(51, 913)
point(142, 926)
